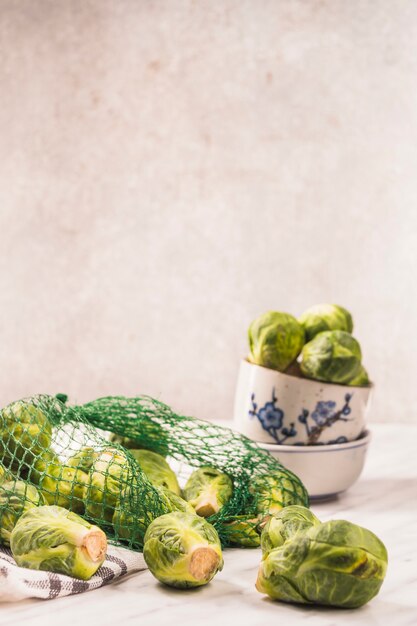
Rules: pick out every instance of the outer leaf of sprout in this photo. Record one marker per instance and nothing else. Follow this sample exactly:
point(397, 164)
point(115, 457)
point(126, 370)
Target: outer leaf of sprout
point(157, 469)
point(285, 524)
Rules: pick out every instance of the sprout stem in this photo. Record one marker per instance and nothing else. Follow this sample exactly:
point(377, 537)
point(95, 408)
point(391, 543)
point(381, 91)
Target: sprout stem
point(203, 562)
point(95, 545)
point(206, 509)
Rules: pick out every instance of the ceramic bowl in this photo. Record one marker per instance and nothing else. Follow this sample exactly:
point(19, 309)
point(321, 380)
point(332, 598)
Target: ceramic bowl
point(326, 471)
point(277, 408)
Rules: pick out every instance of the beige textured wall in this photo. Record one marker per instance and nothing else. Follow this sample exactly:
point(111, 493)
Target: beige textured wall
point(170, 169)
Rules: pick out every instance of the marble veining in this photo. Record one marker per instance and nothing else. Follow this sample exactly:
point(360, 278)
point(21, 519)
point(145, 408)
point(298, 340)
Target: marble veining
point(384, 500)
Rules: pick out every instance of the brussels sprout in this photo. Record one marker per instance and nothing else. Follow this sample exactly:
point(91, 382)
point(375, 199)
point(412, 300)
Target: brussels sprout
point(332, 356)
point(16, 497)
point(134, 512)
point(106, 480)
point(182, 550)
point(63, 486)
point(284, 525)
point(207, 490)
point(39, 467)
point(335, 563)
point(83, 459)
point(361, 380)
point(157, 469)
point(54, 539)
point(273, 492)
point(244, 531)
point(323, 317)
point(275, 340)
point(25, 432)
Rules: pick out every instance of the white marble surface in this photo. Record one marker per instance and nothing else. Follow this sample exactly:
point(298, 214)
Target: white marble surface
point(384, 499)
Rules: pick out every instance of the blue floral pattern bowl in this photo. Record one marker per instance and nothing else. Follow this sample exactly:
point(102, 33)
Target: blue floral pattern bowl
point(272, 407)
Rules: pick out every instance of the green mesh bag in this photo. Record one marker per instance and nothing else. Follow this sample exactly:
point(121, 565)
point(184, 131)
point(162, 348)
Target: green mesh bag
point(74, 458)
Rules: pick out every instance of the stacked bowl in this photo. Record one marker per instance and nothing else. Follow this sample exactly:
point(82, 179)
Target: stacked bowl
point(314, 427)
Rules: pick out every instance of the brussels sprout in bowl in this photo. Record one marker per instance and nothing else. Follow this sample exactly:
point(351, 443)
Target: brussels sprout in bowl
point(280, 408)
point(321, 317)
point(275, 340)
point(333, 356)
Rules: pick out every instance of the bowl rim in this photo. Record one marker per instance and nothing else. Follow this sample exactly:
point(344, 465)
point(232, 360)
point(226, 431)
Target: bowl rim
point(360, 442)
point(310, 381)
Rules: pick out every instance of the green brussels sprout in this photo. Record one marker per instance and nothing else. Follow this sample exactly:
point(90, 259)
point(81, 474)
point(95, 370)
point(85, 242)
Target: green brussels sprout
point(273, 492)
point(156, 469)
point(16, 497)
point(285, 524)
point(275, 340)
point(335, 563)
point(83, 459)
point(321, 317)
point(134, 513)
point(57, 540)
point(207, 490)
point(40, 465)
point(333, 356)
point(361, 380)
point(25, 432)
point(63, 486)
point(182, 550)
point(106, 480)
point(243, 531)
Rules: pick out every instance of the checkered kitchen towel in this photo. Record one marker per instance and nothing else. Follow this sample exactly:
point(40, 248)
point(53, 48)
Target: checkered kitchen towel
point(18, 583)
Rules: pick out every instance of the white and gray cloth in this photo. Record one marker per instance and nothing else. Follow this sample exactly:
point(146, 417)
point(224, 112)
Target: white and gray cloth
point(18, 583)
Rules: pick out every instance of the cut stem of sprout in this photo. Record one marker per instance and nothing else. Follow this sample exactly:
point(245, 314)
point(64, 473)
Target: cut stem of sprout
point(203, 562)
point(95, 545)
